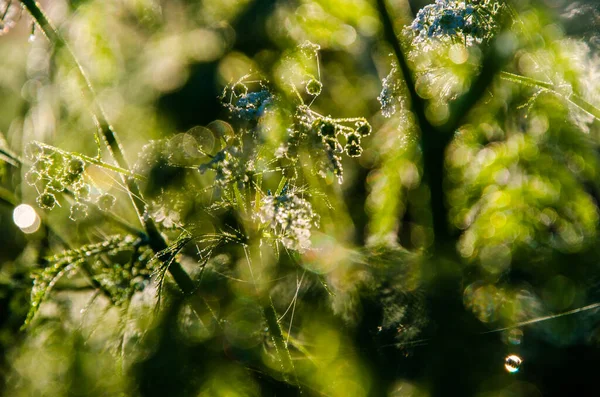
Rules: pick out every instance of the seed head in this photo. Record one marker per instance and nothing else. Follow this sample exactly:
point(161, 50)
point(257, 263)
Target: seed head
point(46, 201)
point(353, 139)
point(33, 150)
point(56, 185)
point(79, 211)
point(106, 201)
point(314, 87)
point(32, 177)
point(327, 129)
point(76, 166)
point(353, 150)
point(83, 192)
point(363, 128)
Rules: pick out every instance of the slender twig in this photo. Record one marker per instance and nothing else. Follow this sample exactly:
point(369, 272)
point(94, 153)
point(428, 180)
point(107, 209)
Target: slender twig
point(528, 81)
point(106, 131)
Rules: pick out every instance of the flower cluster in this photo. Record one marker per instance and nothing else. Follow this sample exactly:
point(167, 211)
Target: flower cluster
point(245, 104)
point(290, 217)
point(328, 136)
point(55, 171)
point(230, 167)
point(168, 209)
point(469, 22)
point(10, 13)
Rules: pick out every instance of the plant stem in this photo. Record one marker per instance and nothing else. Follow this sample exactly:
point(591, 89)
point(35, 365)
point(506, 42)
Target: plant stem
point(155, 239)
point(573, 99)
point(432, 143)
point(90, 160)
point(435, 138)
point(283, 353)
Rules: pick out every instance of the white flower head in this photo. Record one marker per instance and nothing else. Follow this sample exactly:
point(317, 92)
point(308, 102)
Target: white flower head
point(290, 217)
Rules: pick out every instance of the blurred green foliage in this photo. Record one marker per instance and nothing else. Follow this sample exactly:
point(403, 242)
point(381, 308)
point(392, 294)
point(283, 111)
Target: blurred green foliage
point(281, 155)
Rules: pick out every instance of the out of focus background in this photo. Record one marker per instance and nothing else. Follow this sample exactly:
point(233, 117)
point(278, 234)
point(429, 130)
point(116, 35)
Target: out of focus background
point(368, 304)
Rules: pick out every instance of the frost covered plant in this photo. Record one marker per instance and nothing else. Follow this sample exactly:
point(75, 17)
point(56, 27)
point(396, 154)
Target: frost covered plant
point(469, 22)
point(235, 163)
point(167, 210)
point(390, 97)
point(106, 202)
point(119, 281)
point(152, 153)
point(168, 218)
point(55, 171)
point(290, 218)
point(10, 13)
point(314, 87)
point(328, 137)
point(230, 167)
point(245, 104)
point(443, 53)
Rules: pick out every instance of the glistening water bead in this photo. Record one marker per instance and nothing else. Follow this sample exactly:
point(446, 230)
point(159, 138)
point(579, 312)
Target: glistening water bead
point(513, 363)
point(26, 218)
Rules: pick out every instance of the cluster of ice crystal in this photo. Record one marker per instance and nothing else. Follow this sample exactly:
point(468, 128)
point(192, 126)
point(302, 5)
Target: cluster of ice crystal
point(245, 104)
point(324, 137)
point(469, 22)
point(391, 94)
point(230, 167)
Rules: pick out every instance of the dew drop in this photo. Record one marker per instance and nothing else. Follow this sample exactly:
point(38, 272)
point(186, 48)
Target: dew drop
point(26, 218)
point(512, 363)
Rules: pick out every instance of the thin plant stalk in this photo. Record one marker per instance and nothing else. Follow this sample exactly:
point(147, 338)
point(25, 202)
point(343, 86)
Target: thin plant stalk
point(435, 138)
point(573, 99)
point(110, 138)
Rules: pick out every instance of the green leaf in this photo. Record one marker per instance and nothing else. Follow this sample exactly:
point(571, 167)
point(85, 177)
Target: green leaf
point(43, 283)
point(282, 184)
